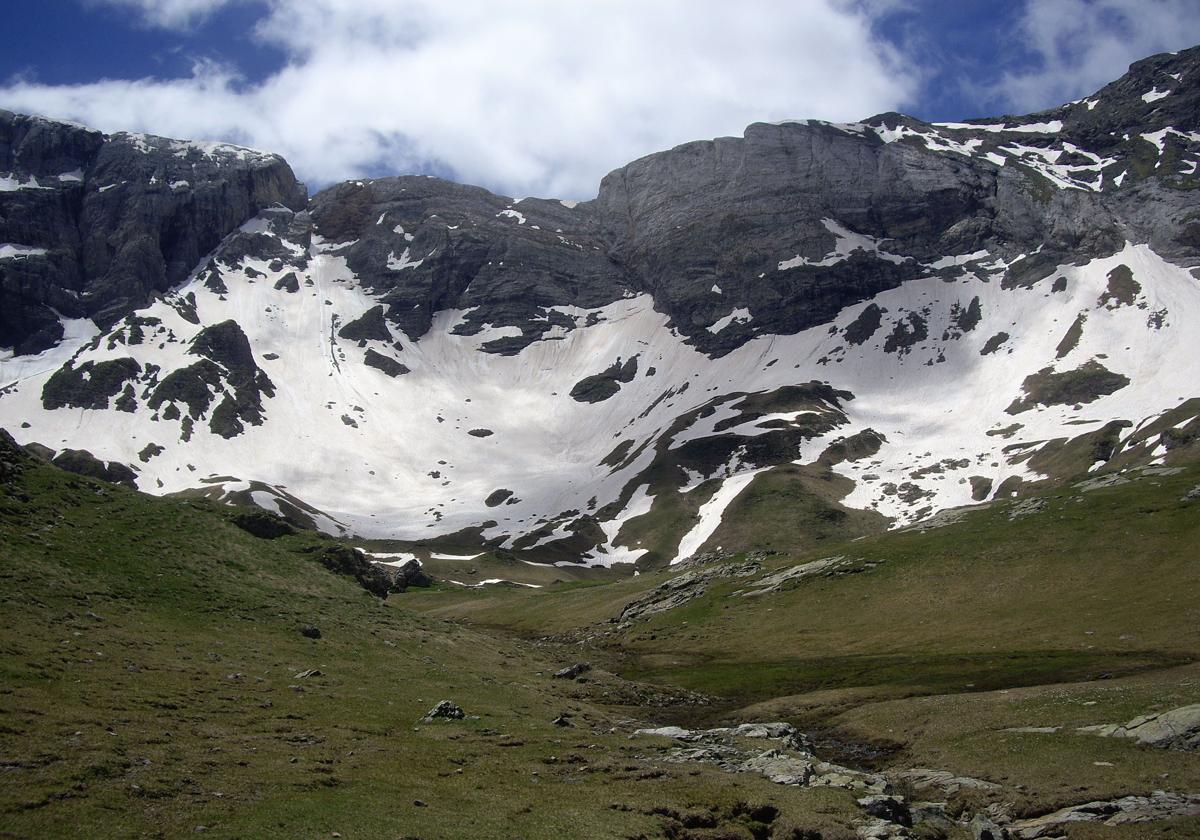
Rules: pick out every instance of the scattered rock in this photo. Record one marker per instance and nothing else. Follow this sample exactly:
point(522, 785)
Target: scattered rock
point(890, 808)
point(445, 710)
point(345, 560)
point(498, 497)
point(310, 631)
point(308, 674)
point(385, 364)
point(402, 577)
point(600, 387)
point(827, 567)
point(790, 763)
point(573, 671)
point(683, 588)
point(1159, 805)
point(983, 827)
point(944, 781)
point(370, 326)
point(1177, 729)
point(780, 768)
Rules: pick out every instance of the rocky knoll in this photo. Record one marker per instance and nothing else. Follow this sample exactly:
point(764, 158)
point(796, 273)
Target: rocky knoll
point(98, 224)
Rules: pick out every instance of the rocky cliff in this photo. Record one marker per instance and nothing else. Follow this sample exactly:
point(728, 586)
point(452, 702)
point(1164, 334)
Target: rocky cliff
point(98, 225)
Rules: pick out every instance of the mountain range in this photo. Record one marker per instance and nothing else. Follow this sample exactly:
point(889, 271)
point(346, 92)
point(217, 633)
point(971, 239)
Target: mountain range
point(814, 330)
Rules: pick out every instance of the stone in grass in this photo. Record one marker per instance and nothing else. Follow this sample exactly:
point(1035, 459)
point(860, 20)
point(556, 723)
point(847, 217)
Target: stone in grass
point(310, 631)
point(445, 710)
point(573, 671)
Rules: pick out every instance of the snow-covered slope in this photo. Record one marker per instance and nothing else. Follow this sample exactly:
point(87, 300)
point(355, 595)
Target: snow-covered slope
point(618, 381)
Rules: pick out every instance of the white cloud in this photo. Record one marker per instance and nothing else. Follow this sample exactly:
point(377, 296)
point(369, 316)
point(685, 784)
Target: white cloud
point(1084, 44)
point(169, 14)
point(538, 97)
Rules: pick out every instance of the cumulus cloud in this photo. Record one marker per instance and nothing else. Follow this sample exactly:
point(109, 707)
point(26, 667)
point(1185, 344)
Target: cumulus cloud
point(530, 97)
point(1081, 45)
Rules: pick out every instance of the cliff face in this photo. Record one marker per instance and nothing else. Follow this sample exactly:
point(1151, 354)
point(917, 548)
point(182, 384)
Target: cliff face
point(100, 224)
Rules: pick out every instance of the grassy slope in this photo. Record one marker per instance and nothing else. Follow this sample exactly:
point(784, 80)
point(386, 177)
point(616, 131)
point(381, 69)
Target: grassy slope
point(148, 663)
point(1092, 604)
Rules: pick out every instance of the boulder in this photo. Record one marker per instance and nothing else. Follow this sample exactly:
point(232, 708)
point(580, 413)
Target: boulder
point(573, 671)
point(445, 710)
point(262, 524)
point(402, 577)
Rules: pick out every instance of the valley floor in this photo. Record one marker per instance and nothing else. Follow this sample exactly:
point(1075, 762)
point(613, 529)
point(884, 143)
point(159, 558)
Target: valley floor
point(156, 682)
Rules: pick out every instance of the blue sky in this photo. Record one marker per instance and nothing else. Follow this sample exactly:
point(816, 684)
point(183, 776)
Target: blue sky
point(545, 96)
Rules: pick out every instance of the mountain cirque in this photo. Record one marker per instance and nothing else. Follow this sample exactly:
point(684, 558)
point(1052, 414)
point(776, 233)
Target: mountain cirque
point(877, 321)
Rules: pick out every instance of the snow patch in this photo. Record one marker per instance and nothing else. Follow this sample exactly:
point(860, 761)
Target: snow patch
point(737, 316)
point(406, 261)
point(9, 251)
point(710, 514)
point(847, 242)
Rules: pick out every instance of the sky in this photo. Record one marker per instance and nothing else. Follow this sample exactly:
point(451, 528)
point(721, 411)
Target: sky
point(544, 97)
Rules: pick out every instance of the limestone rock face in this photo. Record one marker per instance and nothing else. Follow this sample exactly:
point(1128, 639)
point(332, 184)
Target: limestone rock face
point(112, 220)
point(424, 245)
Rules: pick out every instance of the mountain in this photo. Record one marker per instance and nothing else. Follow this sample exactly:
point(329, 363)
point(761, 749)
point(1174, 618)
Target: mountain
point(813, 331)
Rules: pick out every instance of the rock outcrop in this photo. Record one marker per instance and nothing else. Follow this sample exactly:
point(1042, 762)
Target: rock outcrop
point(1177, 729)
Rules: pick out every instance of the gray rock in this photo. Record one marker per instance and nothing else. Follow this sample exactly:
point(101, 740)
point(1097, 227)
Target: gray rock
point(983, 827)
point(890, 808)
point(944, 781)
point(132, 218)
point(683, 588)
point(400, 578)
point(445, 710)
point(573, 671)
point(780, 768)
point(1159, 805)
point(1175, 729)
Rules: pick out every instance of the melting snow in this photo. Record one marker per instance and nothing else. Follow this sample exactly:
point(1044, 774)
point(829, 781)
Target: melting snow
point(847, 242)
point(10, 183)
point(710, 514)
point(737, 316)
point(547, 448)
point(9, 251)
point(404, 262)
